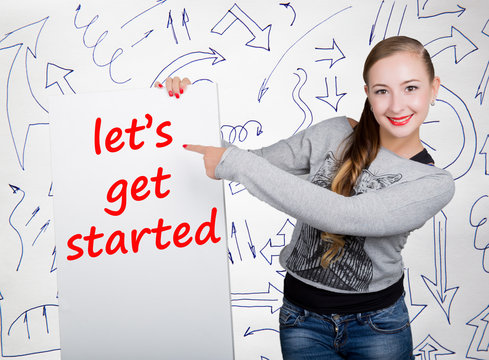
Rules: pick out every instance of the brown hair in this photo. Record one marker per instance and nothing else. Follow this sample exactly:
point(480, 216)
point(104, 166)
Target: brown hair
point(363, 144)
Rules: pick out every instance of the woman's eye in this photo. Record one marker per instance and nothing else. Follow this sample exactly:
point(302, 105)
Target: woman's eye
point(381, 92)
point(411, 88)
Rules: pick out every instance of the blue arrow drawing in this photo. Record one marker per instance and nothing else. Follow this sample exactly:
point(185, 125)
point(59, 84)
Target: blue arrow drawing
point(438, 288)
point(461, 44)
point(384, 17)
point(15, 190)
point(430, 349)
point(288, 6)
point(426, 11)
point(479, 344)
point(264, 86)
point(170, 23)
point(249, 332)
point(484, 152)
point(272, 248)
point(261, 37)
point(335, 98)
point(308, 117)
point(414, 309)
point(481, 89)
point(271, 298)
point(334, 54)
point(56, 75)
point(185, 21)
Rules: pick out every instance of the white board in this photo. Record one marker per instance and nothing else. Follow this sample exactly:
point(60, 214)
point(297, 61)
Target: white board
point(139, 228)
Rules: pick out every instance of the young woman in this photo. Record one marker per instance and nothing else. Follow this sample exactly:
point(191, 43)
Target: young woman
point(369, 185)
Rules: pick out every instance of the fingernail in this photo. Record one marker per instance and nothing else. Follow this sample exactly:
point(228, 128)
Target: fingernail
point(184, 146)
point(181, 91)
point(177, 96)
point(170, 93)
point(160, 85)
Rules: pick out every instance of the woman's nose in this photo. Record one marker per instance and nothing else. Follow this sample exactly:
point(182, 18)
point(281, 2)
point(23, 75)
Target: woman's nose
point(397, 104)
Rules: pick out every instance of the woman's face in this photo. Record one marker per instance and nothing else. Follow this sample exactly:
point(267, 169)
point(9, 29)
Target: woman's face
point(400, 92)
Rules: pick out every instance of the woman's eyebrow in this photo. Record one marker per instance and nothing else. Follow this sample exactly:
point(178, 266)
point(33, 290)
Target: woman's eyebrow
point(403, 83)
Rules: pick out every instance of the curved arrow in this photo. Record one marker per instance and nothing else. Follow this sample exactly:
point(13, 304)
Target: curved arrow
point(462, 46)
point(264, 86)
point(186, 60)
point(438, 288)
point(287, 5)
point(25, 40)
point(16, 189)
point(423, 13)
point(261, 37)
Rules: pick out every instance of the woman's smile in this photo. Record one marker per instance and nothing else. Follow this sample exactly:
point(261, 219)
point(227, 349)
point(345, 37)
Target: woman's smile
point(399, 121)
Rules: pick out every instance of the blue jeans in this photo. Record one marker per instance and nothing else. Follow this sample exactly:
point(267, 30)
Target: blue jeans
point(375, 335)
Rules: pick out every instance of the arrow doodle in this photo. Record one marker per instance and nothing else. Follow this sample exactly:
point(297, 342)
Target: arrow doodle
point(236, 187)
point(146, 34)
point(53, 265)
point(484, 152)
point(43, 229)
point(34, 213)
point(334, 54)
point(264, 86)
point(462, 46)
point(479, 344)
point(56, 75)
point(443, 295)
point(249, 332)
point(414, 309)
point(15, 190)
point(430, 349)
point(287, 6)
point(481, 89)
point(426, 12)
point(158, 3)
point(23, 40)
point(234, 235)
point(185, 21)
point(170, 23)
point(250, 242)
point(385, 16)
point(271, 298)
point(186, 60)
point(308, 117)
point(261, 37)
point(335, 99)
point(242, 135)
point(272, 248)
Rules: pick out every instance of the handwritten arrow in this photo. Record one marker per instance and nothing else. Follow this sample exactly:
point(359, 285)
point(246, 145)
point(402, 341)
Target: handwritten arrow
point(234, 235)
point(53, 265)
point(264, 86)
point(250, 242)
point(462, 46)
point(34, 213)
point(439, 8)
point(261, 37)
point(481, 89)
point(186, 60)
point(430, 349)
point(236, 187)
point(158, 3)
point(484, 152)
point(334, 54)
point(43, 229)
point(249, 332)
point(146, 34)
point(384, 18)
point(170, 23)
point(308, 116)
point(271, 298)
point(414, 309)
point(45, 318)
point(15, 190)
point(272, 248)
point(443, 295)
point(334, 99)
point(287, 6)
point(479, 344)
point(185, 21)
point(22, 42)
point(56, 75)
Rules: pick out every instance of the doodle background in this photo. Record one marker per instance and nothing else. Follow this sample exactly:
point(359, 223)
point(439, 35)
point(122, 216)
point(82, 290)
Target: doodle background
point(280, 67)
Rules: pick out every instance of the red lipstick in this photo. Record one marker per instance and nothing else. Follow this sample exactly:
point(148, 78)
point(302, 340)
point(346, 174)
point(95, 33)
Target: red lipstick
point(399, 121)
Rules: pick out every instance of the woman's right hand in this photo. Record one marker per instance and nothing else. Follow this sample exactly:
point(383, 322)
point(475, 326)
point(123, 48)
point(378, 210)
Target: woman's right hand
point(174, 86)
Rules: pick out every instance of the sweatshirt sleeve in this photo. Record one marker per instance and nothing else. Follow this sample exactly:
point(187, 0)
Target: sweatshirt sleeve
point(399, 208)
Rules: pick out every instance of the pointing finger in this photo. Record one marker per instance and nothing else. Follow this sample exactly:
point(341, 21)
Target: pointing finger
point(196, 148)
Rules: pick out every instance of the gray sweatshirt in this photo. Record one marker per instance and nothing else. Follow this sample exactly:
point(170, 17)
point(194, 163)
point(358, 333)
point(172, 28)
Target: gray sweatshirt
point(393, 197)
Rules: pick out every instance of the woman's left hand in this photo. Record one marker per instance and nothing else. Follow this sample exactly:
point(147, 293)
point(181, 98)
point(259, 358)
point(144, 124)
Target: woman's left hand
point(212, 157)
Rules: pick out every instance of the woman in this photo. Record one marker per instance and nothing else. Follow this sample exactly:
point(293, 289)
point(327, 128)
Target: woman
point(369, 185)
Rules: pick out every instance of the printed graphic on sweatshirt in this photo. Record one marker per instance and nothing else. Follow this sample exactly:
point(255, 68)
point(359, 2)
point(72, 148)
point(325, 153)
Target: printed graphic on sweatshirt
point(353, 269)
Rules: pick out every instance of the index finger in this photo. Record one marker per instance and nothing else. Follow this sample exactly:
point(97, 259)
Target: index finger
point(196, 148)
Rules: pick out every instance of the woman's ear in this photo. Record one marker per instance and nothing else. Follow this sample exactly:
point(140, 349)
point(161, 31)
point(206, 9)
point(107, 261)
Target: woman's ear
point(435, 86)
point(365, 87)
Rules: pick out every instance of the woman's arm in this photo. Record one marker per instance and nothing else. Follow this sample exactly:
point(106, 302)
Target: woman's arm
point(393, 210)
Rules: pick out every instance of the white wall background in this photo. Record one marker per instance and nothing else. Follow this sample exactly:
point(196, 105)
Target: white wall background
point(280, 66)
